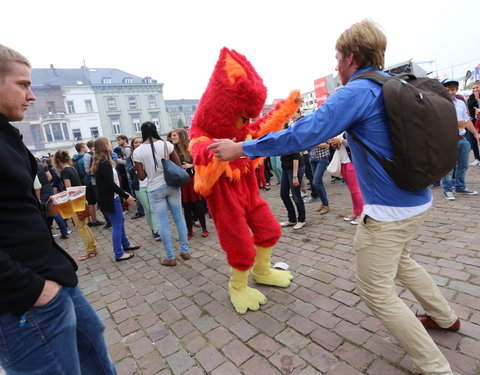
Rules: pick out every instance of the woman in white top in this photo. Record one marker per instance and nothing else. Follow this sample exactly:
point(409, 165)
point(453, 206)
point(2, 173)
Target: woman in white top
point(147, 158)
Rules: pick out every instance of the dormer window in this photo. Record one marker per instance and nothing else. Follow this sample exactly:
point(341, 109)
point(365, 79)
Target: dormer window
point(127, 80)
point(147, 80)
point(106, 80)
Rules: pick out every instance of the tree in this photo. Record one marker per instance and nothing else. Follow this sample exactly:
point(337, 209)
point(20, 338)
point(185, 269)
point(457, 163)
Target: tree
point(180, 123)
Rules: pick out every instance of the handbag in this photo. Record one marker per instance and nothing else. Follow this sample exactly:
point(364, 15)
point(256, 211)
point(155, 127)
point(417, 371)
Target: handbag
point(175, 175)
point(335, 166)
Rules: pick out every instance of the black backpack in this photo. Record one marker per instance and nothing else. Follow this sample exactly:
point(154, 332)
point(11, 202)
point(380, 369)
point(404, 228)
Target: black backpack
point(423, 129)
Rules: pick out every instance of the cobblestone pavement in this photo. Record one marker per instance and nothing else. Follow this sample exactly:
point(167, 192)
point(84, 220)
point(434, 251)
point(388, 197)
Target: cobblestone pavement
point(179, 320)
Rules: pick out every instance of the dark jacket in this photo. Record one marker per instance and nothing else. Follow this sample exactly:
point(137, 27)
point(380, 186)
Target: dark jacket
point(106, 187)
point(28, 252)
point(471, 104)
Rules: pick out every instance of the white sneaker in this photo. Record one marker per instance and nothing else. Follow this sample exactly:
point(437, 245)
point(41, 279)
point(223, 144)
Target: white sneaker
point(299, 225)
point(467, 192)
point(448, 195)
point(475, 163)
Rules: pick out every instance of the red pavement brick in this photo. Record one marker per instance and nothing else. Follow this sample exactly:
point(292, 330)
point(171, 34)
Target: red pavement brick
point(349, 314)
point(318, 357)
point(360, 359)
point(384, 348)
point(219, 337)
point(470, 347)
point(194, 342)
point(264, 345)
point(257, 366)
point(209, 358)
point(301, 325)
point(381, 368)
point(227, 368)
point(237, 352)
point(346, 298)
point(326, 338)
point(341, 368)
point(287, 362)
point(352, 332)
point(461, 363)
point(151, 364)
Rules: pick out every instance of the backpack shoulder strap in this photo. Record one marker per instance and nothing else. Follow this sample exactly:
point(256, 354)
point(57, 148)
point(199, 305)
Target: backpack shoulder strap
point(373, 76)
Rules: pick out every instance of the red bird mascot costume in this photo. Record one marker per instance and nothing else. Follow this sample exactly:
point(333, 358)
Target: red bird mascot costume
point(246, 227)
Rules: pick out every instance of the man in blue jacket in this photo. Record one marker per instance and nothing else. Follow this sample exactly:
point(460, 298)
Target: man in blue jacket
point(47, 326)
point(391, 215)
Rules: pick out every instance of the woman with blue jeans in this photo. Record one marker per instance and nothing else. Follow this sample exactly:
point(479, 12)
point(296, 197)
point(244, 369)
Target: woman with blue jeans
point(147, 158)
point(319, 159)
point(292, 173)
point(109, 193)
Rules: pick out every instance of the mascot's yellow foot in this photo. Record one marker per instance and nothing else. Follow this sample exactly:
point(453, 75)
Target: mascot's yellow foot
point(263, 274)
point(246, 298)
point(242, 296)
point(273, 277)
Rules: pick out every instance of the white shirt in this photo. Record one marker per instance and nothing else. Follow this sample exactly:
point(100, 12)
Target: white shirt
point(143, 154)
point(461, 110)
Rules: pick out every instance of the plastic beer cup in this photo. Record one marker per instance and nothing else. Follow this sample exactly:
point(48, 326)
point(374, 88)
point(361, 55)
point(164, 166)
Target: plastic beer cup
point(63, 204)
point(77, 197)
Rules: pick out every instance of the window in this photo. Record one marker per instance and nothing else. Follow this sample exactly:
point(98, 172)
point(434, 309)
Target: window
point(128, 80)
point(156, 120)
point(37, 134)
point(66, 135)
point(111, 104)
point(56, 131)
point(180, 108)
point(70, 106)
point(106, 80)
point(51, 107)
point(136, 123)
point(116, 125)
point(77, 134)
point(94, 132)
point(152, 101)
point(48, 133)
point(132, 102)
point(89, 105)
point(194, 107)
point(147, 80)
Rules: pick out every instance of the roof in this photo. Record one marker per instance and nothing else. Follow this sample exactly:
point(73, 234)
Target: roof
point(406, 67)
point(181, 101)
point(59, 77)
point(81, 76)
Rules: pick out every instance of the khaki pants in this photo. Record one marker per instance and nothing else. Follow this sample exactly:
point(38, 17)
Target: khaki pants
point(86, 234)
point(383, 255)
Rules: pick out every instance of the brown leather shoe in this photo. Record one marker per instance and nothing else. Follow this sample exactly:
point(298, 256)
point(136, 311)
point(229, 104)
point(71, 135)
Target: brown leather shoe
point(169, 263)
point(429, 323)
point(186, 256)
point(324, 209)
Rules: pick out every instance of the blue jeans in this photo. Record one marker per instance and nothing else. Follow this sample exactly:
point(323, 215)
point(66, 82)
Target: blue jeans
point(119, 238)
point(460, 168)
point(318, 168)
point(65, 336)
point(285, 187)
point(169, 197)
point(58, 218)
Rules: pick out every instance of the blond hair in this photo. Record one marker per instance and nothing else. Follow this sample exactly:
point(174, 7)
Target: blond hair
point(101, 153)
point(9, 56)
point(366, 42)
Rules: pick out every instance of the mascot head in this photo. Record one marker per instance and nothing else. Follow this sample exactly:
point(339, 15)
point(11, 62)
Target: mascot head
point(234, 95)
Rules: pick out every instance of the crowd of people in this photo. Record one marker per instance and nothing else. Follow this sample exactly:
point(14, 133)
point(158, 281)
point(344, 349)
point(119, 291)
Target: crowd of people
point(37, 272)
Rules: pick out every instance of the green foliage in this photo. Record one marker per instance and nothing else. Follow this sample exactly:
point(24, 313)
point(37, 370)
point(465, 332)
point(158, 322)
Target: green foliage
point(180, 123)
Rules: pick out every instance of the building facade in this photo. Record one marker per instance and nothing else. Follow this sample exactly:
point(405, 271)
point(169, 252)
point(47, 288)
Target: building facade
point(180, 112)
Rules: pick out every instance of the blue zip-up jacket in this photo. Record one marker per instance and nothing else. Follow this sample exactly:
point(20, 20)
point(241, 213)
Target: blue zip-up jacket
point(357, 107)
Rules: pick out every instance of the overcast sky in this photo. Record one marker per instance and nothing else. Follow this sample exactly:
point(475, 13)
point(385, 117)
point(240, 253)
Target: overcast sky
point(290, 43)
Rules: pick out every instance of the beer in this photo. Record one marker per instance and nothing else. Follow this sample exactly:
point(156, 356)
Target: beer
point(76, 195)
point(65, 209)
point(78, 203)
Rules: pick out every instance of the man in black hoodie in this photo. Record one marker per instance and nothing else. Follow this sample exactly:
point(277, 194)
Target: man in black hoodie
point(46, 323)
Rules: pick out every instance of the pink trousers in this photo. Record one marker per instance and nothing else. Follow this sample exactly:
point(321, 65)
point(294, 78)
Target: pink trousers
point(350, 177)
